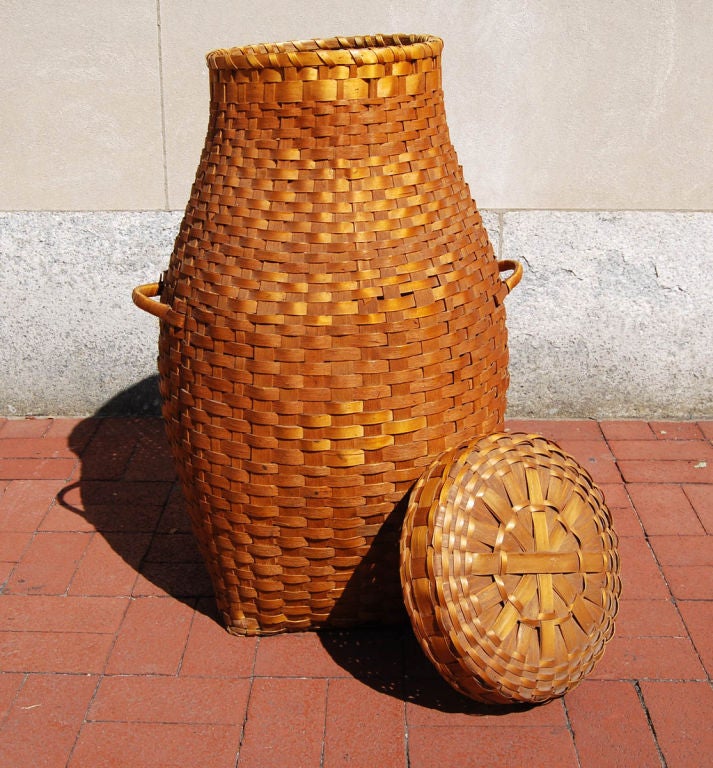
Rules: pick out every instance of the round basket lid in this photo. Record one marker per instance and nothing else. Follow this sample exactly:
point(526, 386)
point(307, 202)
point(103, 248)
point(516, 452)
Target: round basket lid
point(509, 568)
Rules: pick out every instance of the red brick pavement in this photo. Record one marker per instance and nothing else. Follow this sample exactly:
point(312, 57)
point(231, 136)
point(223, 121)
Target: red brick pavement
point(111, 655)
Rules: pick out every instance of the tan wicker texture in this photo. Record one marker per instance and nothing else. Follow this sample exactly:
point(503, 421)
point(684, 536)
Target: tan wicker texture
point(332, 317)
point(510, 569)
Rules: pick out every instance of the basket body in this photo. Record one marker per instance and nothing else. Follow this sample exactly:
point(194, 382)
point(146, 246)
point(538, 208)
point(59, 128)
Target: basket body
point(510, 569)
point(335, 319)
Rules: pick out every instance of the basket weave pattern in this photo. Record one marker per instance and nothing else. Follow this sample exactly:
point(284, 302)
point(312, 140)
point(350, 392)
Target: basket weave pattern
point(334, 318)
point(510, 569)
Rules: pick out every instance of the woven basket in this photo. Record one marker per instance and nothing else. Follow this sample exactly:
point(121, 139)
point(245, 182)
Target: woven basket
point(332, 318)
point(509, 569)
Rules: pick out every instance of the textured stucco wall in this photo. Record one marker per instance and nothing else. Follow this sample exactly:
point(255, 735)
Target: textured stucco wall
point(611, 319)
point(583, 128)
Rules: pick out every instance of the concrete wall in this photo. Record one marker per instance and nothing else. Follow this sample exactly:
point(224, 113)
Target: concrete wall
point(583, 128)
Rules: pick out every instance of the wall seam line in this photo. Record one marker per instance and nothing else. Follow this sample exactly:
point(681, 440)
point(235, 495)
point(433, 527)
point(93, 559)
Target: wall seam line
point(501, 238)
point(163, 105)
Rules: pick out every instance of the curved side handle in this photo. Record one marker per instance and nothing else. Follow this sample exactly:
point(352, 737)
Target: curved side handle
point(142, 295)
point(512, 280)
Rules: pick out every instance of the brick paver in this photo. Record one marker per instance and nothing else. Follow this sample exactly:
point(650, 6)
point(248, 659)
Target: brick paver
point(111, 652)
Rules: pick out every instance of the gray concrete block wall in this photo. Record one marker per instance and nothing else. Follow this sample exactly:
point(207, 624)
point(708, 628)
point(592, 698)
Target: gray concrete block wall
point(612, 317)
point(551, 105)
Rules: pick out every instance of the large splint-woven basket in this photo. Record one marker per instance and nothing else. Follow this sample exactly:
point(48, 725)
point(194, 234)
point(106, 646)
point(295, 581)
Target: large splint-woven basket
point(331, 319)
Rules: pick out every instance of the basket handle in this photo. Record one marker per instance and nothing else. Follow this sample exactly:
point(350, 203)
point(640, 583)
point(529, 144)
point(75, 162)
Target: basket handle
point(506, 265)
point(142, 295)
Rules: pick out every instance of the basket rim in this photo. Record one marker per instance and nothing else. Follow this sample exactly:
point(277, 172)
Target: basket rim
point(334, 51)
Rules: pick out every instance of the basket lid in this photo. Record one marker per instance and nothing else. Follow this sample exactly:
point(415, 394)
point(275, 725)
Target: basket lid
point(509, 568)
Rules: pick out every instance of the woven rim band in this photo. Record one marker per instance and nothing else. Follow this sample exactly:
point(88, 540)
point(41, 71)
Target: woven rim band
point(332, 52)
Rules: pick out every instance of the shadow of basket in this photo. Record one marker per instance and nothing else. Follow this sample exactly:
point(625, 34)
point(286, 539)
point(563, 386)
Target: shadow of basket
point(386, 656)
point(127, 491)
point(390, 661)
